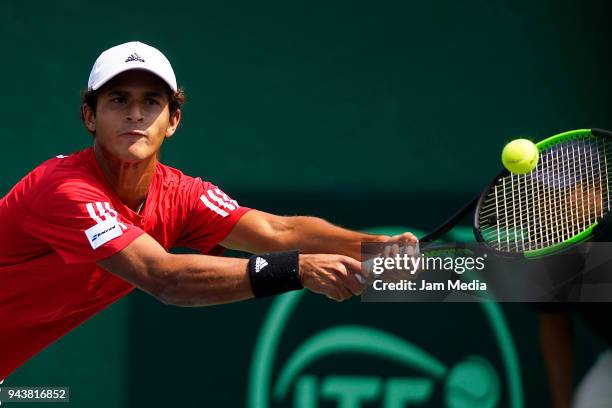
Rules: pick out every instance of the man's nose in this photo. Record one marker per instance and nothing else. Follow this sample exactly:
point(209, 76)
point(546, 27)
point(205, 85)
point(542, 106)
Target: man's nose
point(134, 112)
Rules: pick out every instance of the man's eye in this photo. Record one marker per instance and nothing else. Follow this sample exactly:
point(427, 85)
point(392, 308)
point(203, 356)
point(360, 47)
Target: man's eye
point(151, 101)
point(118, 99)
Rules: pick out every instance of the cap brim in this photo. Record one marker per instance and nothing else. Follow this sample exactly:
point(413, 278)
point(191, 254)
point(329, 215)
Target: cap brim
point(111, 75)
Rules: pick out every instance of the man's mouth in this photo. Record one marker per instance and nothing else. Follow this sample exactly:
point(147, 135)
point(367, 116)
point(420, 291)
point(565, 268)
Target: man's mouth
point(134, 133)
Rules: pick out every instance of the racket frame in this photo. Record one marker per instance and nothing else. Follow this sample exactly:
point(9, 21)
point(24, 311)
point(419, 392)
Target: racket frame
point(585, 235)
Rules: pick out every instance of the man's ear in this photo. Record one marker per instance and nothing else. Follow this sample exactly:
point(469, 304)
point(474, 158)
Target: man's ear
point(89, 117)
point(173, 123)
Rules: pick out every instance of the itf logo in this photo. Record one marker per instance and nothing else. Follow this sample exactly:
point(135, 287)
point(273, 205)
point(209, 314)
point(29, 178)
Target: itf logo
point(312, 353)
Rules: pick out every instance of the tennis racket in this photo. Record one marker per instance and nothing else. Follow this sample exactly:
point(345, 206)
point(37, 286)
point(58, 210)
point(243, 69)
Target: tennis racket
point(565, 200)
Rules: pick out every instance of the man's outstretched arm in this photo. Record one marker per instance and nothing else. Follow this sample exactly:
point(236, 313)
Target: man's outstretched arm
point(200, 280)
point(259, 232)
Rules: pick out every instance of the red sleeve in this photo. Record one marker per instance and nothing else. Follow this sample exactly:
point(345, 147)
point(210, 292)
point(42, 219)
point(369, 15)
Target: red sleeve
point(212, 218)
point(78, 221)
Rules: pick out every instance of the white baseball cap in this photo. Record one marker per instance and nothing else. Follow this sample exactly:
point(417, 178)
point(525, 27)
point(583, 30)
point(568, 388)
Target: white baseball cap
point(131, 55)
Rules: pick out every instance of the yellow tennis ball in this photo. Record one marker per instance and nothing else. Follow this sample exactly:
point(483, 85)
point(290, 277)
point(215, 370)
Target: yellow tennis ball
point(520, 156)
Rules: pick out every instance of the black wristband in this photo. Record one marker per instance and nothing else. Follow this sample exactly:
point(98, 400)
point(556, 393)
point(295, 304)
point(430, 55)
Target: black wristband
point(274, 273)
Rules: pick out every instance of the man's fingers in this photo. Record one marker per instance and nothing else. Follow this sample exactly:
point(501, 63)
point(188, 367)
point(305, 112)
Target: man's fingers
point(346, 294)
point(337, 293)
point(354, 285)
point(352, 265)
point(338, 277)
point(386, 251)
point(395, 250)
point(406, 237)
point(348, 279)
point(356, 277)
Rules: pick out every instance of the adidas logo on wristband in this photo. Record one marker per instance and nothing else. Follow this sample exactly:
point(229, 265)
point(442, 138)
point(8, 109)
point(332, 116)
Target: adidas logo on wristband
point(260, 263)
point(274, 273)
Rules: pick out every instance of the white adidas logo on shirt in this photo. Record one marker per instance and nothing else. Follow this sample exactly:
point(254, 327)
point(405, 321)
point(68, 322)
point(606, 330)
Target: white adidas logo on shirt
point(260, 263)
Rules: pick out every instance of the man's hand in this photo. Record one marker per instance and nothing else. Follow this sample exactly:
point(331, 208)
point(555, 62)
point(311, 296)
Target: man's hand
point(407, 238)
point(390, 247)
point(335, 276)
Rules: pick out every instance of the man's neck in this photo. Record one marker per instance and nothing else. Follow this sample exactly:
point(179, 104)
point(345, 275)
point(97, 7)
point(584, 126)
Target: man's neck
point(130, 181)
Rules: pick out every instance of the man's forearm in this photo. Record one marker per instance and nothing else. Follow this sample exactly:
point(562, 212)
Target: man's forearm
point(315, 235)
point(181, 280)
point(259, 232)
point(201, 280)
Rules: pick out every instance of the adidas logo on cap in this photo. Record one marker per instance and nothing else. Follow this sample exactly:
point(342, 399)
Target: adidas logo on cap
point(134, 57)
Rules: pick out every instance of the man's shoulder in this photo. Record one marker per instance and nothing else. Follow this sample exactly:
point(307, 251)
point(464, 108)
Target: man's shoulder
point(72, 168)
point(174, 178)
point(59, 175)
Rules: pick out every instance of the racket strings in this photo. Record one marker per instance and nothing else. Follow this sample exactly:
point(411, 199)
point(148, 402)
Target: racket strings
point(544, 218)
point(528, 180)
point(563, 196)
point(581, 198)
point(597, 204)
point(524, 181)
point(593, 198)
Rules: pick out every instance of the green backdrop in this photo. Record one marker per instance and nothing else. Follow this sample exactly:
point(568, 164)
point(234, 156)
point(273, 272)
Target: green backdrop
point(365, 113)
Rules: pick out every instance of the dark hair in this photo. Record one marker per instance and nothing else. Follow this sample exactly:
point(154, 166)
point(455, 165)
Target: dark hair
point(90, 98)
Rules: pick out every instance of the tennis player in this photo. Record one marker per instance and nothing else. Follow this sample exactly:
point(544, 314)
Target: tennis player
point(81, 231)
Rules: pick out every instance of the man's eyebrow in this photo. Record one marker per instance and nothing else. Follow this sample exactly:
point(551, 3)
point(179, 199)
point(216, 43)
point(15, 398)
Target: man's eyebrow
point(117, 92)
point(155, 94)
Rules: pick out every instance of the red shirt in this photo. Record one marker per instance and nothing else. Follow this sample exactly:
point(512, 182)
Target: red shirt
point(63, 217)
